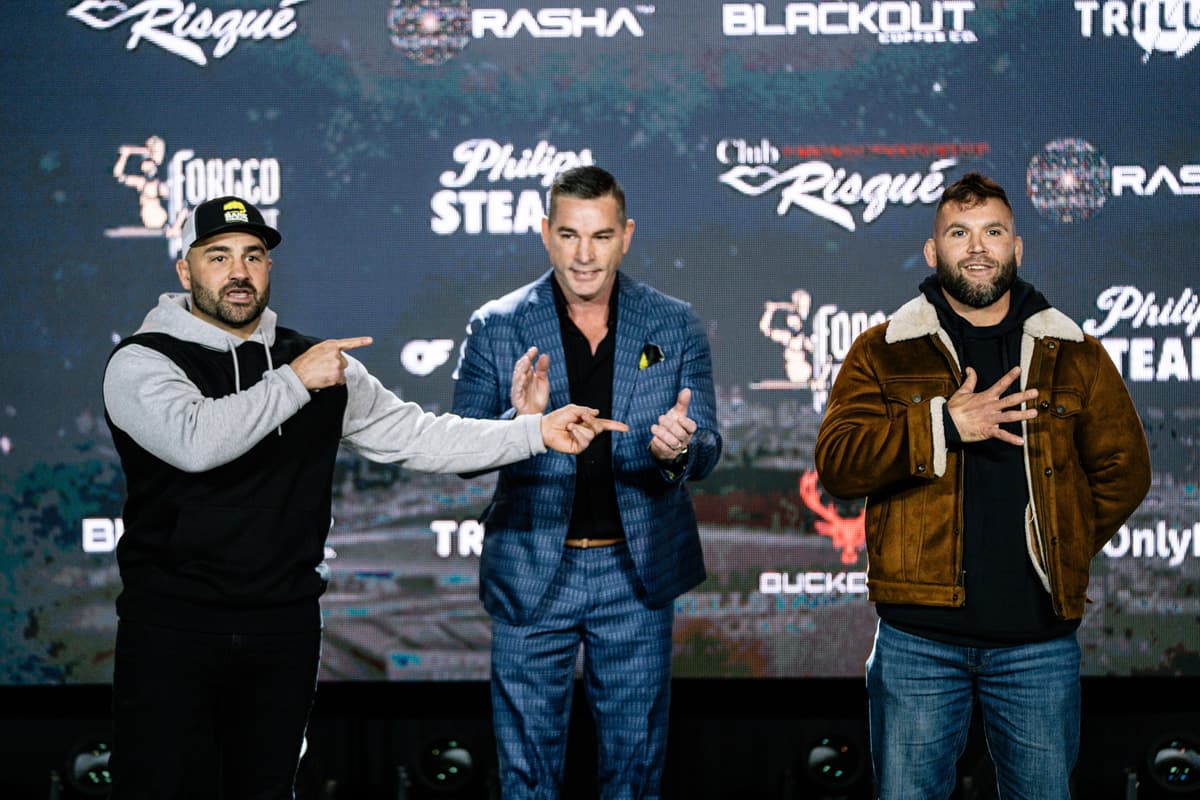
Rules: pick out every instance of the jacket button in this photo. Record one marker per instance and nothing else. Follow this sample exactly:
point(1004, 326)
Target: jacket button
point(920, 467)
point(1044, 405)
point(1051, 345)
point(916, 398)
point(1049, 472)
point(1060, 409)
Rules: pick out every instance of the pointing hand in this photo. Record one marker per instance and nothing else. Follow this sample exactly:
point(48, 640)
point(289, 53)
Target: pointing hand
point(570, 429)
point(323, 364)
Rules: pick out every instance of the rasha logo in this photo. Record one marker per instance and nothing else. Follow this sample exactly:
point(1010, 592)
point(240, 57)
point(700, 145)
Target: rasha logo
point(813, 351)
point(557, 23)
point(176, 26)
point(938, 22)
point(434, 31)
point(498, 211)
point(827, 191)
point(1070, 180)
point(163, 200)
point(1166, 26)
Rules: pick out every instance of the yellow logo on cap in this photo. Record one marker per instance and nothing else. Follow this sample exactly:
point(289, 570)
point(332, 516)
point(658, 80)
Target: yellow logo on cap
point(235, 212)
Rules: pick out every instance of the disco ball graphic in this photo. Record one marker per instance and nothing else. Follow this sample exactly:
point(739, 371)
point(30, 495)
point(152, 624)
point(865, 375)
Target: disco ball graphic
point(1068, 181)
point(430, 31)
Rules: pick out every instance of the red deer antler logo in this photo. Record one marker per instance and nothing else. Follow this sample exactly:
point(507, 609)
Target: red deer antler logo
point(846, 534)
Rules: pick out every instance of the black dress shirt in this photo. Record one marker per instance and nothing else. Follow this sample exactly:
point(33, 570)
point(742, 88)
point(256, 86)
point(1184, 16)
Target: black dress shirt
point(594, 514)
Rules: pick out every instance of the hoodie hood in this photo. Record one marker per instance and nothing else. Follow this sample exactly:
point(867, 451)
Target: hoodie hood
point(918, 317)
point(173, 316)
point(1024, 302)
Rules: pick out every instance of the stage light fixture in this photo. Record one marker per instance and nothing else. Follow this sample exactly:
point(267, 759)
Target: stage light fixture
point(445, 765)
point(832, 766)
point(835, 762)
point(1173, 764)
point(86, 768)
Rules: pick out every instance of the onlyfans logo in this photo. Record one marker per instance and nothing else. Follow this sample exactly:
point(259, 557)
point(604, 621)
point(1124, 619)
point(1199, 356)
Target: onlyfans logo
point(176, 26)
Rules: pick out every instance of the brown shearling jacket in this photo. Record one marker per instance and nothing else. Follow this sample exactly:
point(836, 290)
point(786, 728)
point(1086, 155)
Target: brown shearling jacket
point(1086, 459)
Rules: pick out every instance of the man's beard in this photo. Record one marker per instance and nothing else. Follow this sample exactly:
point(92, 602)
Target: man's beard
point(234, 316)
point(973, 294)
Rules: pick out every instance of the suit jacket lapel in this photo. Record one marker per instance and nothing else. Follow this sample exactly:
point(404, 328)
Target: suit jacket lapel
point(541, 328)
point(632, 330)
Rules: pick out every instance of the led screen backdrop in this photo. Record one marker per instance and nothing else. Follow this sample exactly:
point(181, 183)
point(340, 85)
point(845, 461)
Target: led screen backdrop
point(781, 160)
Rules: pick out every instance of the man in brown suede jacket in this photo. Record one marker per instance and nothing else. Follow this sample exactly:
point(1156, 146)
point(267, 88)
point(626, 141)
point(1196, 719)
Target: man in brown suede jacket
point(998, 450)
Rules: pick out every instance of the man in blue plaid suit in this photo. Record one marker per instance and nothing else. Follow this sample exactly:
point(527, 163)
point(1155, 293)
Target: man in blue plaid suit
point(589, 551)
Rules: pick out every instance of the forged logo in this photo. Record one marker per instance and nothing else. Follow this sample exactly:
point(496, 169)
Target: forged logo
point(175, 26)
point(813, 349)
point(166, 188)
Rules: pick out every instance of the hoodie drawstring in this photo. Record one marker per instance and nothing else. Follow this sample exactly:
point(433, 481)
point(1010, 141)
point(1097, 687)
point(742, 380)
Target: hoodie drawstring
point(237, 373)
point(270, 366)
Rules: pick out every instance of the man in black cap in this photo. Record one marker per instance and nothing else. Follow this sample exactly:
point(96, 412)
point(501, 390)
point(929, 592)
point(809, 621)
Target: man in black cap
point(228, 427)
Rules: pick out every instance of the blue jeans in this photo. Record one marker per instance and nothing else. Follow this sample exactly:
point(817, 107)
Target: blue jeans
point(194, 710)
point(591, 603)
point(921, 693)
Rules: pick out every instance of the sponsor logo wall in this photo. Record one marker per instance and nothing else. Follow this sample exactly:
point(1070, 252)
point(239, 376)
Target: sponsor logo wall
point(782, 161)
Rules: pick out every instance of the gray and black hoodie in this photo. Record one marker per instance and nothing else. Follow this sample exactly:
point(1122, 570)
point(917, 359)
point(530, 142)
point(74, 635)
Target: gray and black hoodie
point(229, 461)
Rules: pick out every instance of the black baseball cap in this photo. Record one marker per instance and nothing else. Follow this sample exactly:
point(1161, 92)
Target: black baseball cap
point(223, 214)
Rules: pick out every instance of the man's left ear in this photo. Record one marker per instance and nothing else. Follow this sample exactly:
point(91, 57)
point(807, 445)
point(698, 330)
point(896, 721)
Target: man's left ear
point(1018, 250)
point(185, 277)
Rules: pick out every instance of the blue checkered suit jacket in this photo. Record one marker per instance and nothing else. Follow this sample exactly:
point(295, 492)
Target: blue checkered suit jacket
point(527, 520)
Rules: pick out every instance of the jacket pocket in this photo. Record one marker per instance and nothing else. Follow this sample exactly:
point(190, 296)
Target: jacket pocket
point(902, 393)
point(1063, 404)
point(1057, 416)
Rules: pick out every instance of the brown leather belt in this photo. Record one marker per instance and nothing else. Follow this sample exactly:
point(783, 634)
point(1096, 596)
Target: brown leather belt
point(584, 544)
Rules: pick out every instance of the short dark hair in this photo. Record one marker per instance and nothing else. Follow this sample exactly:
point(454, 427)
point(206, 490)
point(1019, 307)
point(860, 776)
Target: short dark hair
point(586, 183)
point(972, 189)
